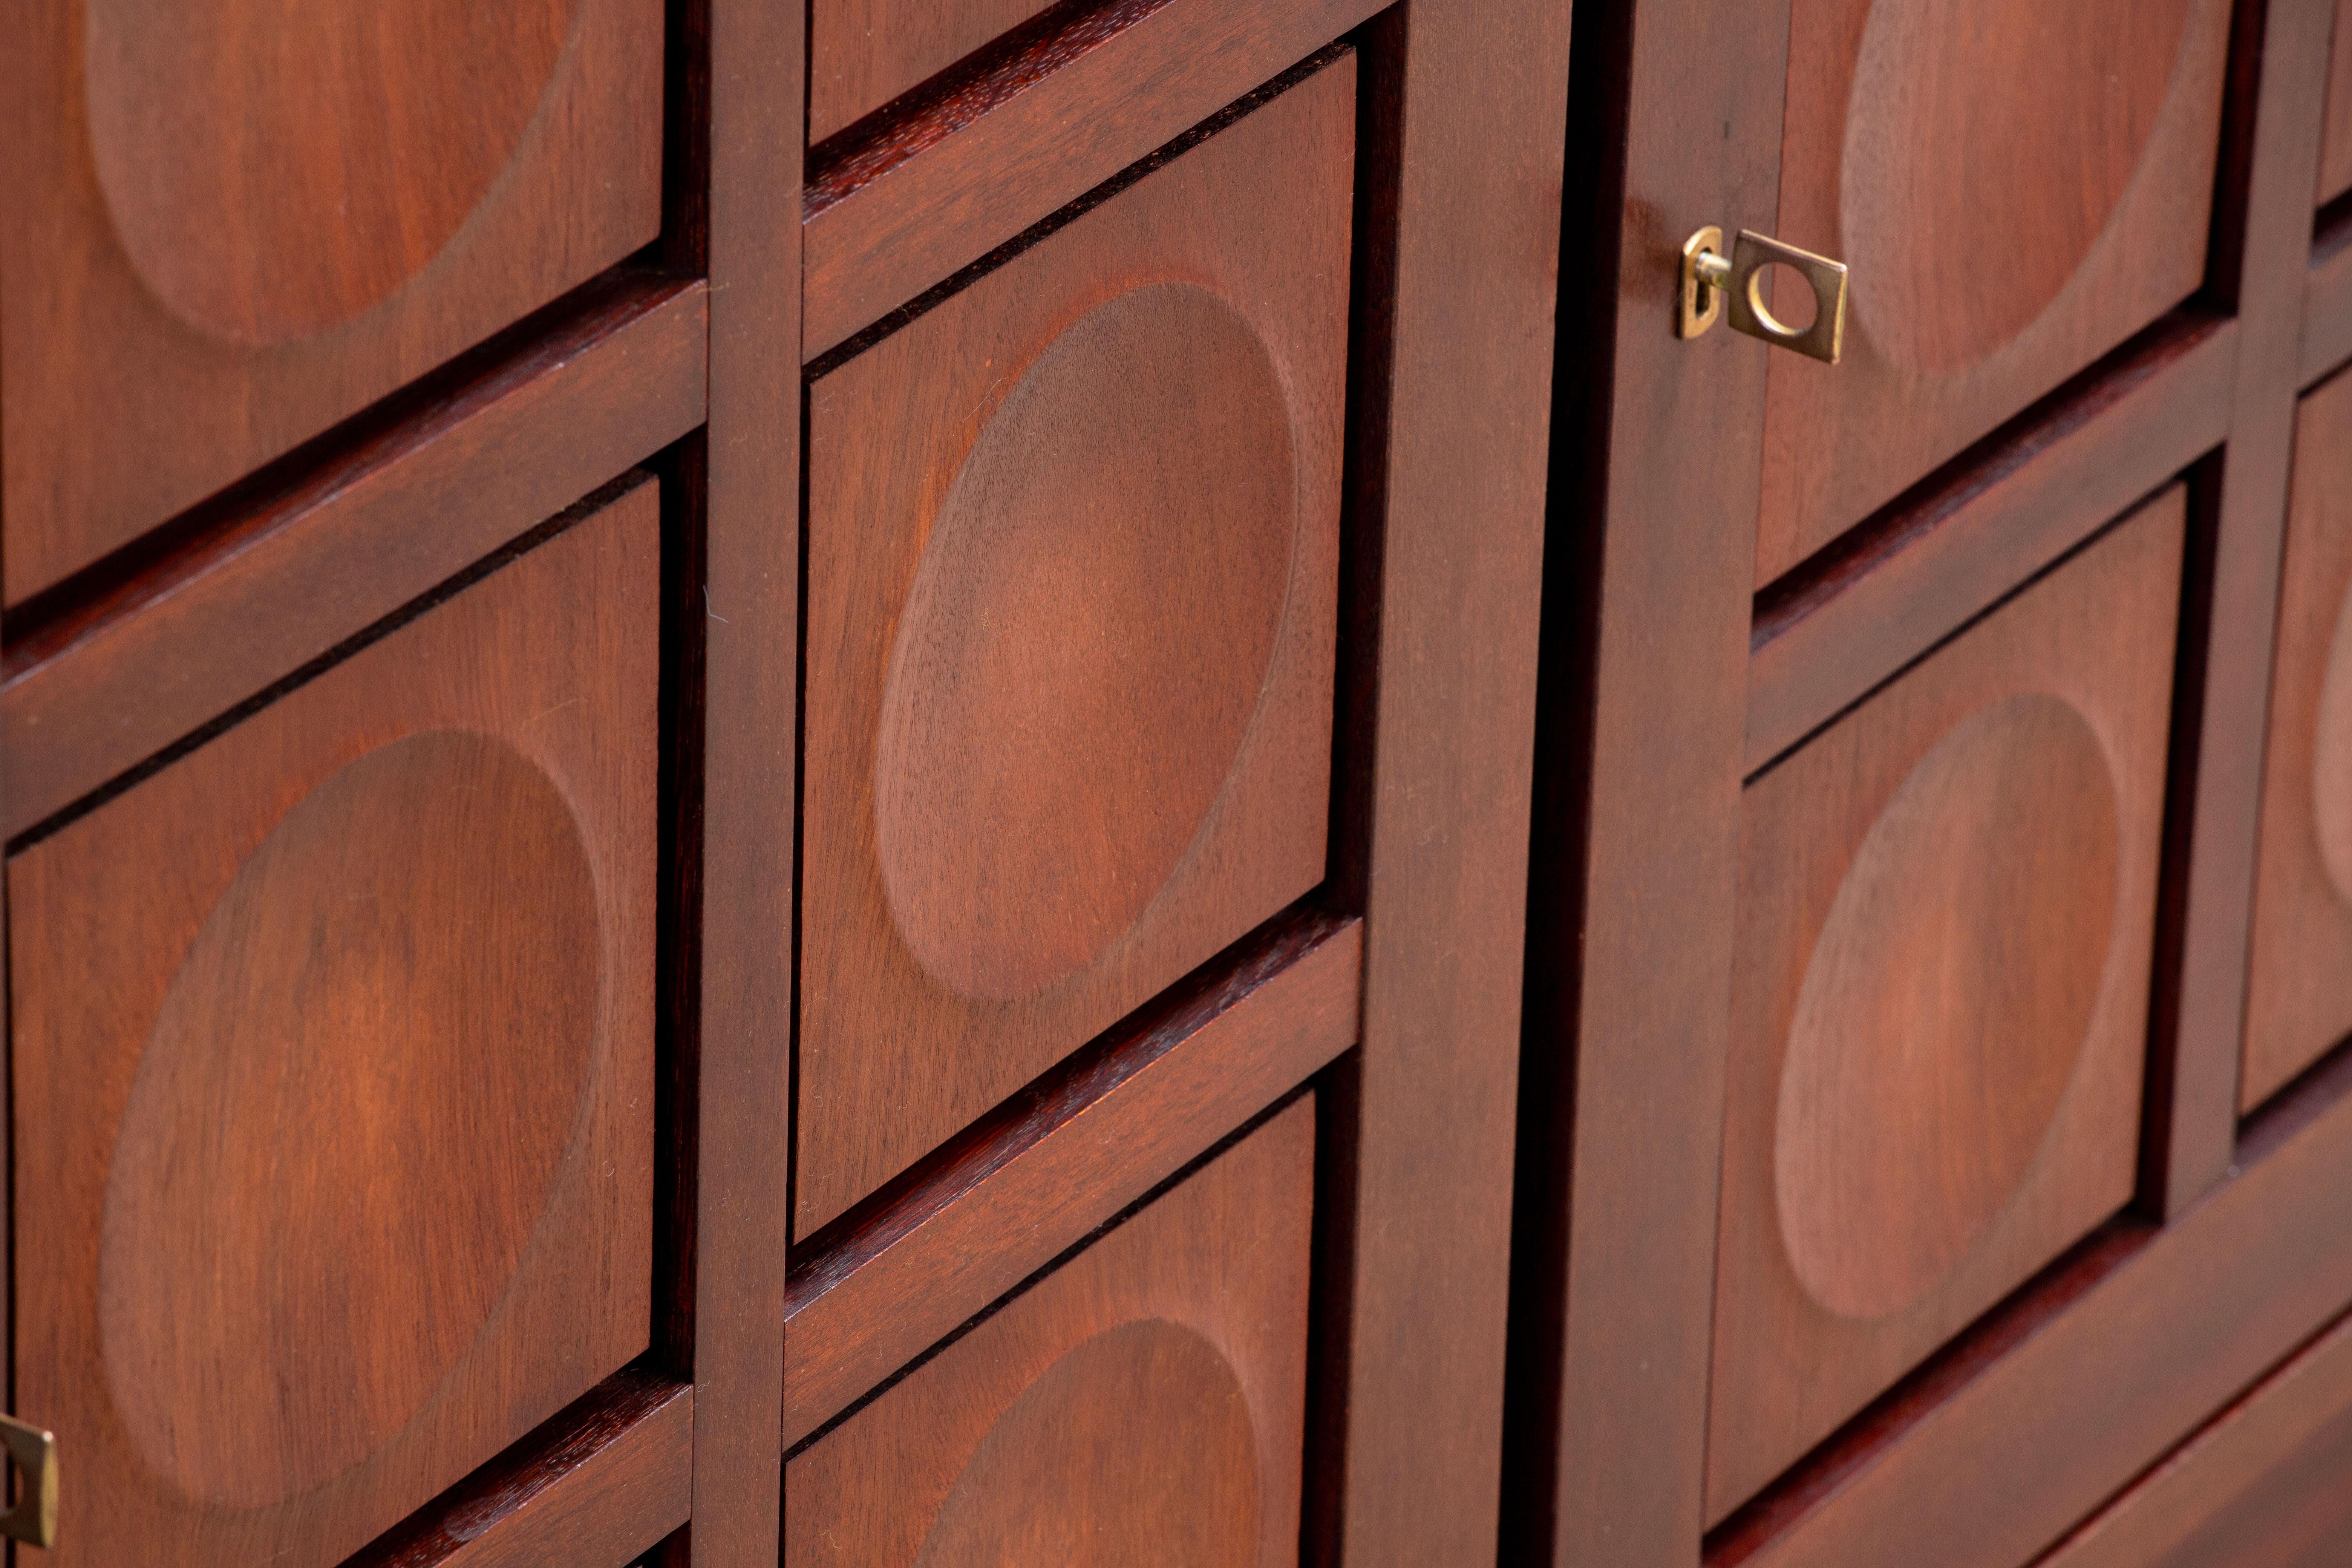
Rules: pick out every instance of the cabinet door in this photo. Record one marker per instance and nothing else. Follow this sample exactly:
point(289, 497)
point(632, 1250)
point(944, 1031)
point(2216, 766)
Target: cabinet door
point(1886, 1191)
point(228, 224)
point(332, 1078)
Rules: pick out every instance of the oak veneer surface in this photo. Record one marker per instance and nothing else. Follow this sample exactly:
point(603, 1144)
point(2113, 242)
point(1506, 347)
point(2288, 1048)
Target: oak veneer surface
point(2299, 997)
point(1073, 560)
point(229, 224)
point(864, 53)
point(2335, 136)
point(2017, 187)
point(1940, 996)
point(1142, 1403)
point(332, 1078)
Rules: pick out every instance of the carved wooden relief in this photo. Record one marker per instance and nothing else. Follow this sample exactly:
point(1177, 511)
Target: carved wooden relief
point(1143, 1402)
point(1071, 572)
point(1939, 996)
point(334, 1078)
point(2299, 990)
point(230, 223)
point(2017, 187)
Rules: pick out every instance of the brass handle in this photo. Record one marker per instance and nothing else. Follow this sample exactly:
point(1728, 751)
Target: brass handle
point(34, 1453)
point(1711, 281)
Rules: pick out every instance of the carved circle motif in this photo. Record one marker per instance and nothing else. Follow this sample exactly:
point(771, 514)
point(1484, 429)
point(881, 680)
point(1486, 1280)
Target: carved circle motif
point(349, 1119)
point(1086, 643)
point(1987, 142)
point(1135, 1446)
point(275, 167)
point(2331, 783)
point(1945, 1005)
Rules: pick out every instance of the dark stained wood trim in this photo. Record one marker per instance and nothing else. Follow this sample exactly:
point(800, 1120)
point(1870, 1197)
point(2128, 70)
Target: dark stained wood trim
point(1654, 513)
point(1483, 107)
point(1830, 633)
point(2327, 301)
point(2213, 1470)
point(733, 1060)
point(905, 200)
point(2058, 1399)
point(897, 1274)
point(2261, 238)
point(605, 1478)
point(259, 582)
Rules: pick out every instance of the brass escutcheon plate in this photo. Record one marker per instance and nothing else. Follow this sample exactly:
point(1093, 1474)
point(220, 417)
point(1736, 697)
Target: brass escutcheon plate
point(34, 1454)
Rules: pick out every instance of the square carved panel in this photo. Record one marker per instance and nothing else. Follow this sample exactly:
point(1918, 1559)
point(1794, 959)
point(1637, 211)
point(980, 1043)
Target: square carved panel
point(2017, 186)
point(2299, 989)
point(1145, 1402)
point(334, 1078)
point(225, 225)
point(1073, 543)
point(1939, 996)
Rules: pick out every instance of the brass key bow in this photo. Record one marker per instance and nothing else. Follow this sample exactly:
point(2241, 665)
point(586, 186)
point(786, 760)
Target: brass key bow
point(1715, 288)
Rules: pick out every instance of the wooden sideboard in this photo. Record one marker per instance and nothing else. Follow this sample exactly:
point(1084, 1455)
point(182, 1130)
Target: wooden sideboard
point(940, 782)
point(766, 774)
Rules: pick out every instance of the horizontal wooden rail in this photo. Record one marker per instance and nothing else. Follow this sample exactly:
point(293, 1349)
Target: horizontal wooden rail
point(894, 1276)
point(2327, 303)
point(2060, 1398)
point(344, 533)
point(607, 1477)
point(913, 194)
point(2224, 1464)
point(1833, 630)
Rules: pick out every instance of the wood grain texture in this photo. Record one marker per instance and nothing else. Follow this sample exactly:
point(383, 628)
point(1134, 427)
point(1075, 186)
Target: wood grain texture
point(2263, 231)
point(2057, 1402)
point(1823, 636)
point(2260, 1486)
point(2336, 134)
point(2328, 302)
point(887, 220)
point(740, 673)
point(232, 225)
point(1067, 1156)
point(347, 1137)
point(2298, 993)
point(1073, 559)
point(864, 53)
point(1939, 997)
point(1144, 1401)
point(1474, 107)
point(1634, 872)
point(607, 1477)
point(2017, 188)
point(287, 567)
